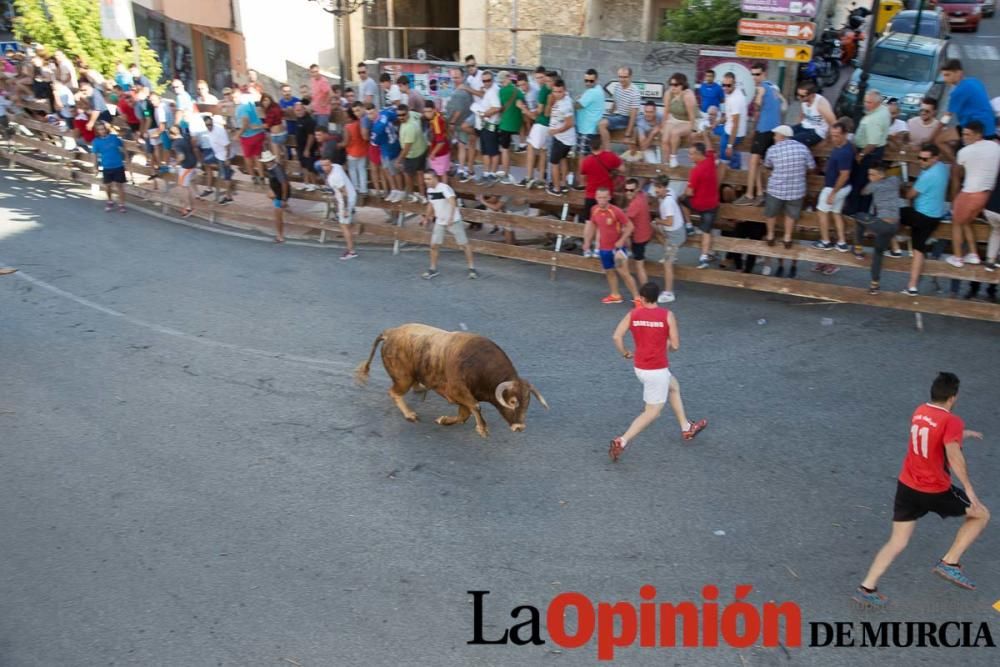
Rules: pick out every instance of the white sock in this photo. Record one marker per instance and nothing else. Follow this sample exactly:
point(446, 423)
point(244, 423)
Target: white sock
point(624, 442)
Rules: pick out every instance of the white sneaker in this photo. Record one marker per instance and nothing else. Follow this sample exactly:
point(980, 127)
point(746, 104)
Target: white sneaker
point(955, 261)
point(766, 271)
point(666, 297)
point(413, 199)
point(972, 258)
point(673, 162)
point(310, 188)
point(394, 196)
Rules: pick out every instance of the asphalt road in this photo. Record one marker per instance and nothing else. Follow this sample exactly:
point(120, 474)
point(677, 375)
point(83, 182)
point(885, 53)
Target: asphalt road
point(188, 475)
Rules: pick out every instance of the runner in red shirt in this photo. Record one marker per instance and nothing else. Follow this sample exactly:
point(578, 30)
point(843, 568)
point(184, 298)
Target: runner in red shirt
point(642, 226)
point(652, 329)
point(613, 230)
point(933, 453)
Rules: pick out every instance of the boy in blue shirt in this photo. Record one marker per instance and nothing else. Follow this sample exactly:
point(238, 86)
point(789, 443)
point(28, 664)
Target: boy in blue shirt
point(110, 152)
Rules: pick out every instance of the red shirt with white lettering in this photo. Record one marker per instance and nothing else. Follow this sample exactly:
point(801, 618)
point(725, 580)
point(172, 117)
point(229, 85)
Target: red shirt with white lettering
point(650, 331)
point(925, 467)
point(609, 222)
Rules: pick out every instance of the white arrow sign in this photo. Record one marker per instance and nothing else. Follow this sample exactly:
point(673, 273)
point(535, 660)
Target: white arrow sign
point(805, 33)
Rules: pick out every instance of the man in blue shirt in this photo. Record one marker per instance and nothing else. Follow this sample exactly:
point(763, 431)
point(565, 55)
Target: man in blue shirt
point(287, 103)
point(710, 94)
point(968, 100)
point(589, 111)
point(928, 195)
point(835, 189)
point(385, 135)
point(110, 152)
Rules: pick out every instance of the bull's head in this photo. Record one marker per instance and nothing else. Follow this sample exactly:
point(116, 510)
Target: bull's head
point(512, 399)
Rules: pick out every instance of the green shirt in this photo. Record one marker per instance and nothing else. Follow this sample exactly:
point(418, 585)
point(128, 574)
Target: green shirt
point(412, 132)
point(543, 97)
point(510, 120)
point(873, 128)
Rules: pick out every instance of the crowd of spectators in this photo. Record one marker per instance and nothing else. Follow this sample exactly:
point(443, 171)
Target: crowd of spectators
point(381, 138)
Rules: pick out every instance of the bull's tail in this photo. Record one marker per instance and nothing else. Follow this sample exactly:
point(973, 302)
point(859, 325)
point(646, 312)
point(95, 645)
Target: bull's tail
point(361, 372)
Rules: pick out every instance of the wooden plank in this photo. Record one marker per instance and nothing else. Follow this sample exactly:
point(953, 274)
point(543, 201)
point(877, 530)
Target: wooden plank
point(51, 169)
point(791, 287)
point(51, 149)
point(41, 126)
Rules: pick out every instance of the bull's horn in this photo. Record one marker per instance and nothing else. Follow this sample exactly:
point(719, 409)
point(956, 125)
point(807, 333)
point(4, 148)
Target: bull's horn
point(541, 399)
point(501, 388)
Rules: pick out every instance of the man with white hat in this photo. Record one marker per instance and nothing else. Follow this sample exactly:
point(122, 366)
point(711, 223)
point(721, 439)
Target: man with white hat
point(789, 162)
point(278, 180)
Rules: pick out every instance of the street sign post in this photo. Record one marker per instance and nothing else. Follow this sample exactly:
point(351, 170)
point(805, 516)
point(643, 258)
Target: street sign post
point(763, 51)
point(793, 7)
point(804, 30)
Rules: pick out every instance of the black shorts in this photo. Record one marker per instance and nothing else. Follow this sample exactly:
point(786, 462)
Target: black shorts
point(559, 152)
point(116, 175)
point(911, 504)
point(761, 142)
point(412, 165)
point(921, 227)
point(307, 163)
point(489, 142)
point(639, 251)
point(503, 137)
point(588, 204)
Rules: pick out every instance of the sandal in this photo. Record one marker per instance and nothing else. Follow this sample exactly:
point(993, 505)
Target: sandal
point(770, 242)
point(787, 244)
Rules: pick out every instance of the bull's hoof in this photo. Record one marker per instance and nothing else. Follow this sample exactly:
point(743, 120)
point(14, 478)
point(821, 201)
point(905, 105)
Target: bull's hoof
point(412, 417)
point(446, 420)
point(484, 432)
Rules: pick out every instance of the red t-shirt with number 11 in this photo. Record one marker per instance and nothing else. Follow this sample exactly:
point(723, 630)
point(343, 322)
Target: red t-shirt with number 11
point(925, 467)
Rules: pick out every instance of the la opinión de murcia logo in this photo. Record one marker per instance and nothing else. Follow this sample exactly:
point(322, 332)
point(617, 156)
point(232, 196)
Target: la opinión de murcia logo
point(707, 624)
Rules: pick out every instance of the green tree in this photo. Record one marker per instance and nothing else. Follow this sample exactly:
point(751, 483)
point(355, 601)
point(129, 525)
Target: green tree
point(702, 22)
point(74, 26)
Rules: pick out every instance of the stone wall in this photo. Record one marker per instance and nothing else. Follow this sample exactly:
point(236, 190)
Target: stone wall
point(566, 16)
point(651, 62)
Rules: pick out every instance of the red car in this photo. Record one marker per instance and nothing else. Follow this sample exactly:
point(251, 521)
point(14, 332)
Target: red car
point(962, 14)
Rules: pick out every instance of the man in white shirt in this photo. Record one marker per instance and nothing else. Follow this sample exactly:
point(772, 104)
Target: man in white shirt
point(217, 159)
point(489, 135)
point(345, 197)
point(670, 224)
point(980, 162)
point(736, 119)
point(442, 206)
point(562, 127)
point(391, 93)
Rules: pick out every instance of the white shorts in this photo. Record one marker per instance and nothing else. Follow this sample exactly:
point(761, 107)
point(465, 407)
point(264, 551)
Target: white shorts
point(838, 201)
point(457, 230)
point(655, 385)
point(539, 137)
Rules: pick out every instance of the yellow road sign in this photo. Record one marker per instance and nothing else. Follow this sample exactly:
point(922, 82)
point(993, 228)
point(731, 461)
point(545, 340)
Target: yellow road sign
point(793, 52)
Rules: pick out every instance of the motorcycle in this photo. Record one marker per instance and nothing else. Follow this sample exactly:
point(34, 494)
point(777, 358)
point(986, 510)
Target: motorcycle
point(824, 68)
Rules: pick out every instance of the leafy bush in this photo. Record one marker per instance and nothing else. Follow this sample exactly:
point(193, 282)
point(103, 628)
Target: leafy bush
point(74, 27)
point(702, 22)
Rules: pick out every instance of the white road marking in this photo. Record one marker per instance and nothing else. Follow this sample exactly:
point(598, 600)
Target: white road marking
point(980, 52)
point(168, 331)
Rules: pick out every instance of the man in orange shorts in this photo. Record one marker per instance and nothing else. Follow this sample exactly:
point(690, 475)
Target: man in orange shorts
point(980, 162)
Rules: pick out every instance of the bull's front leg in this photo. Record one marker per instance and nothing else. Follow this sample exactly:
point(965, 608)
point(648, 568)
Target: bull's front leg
point(463, 416)
point(480, 422)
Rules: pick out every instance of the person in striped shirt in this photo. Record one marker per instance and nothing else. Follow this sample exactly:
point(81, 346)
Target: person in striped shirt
point(625, 110)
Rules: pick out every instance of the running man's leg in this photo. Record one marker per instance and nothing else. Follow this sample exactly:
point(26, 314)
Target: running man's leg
point(677, 404)
point(435, 249)
point(629, 280)
point(645, 418)
point(967, 534)
point(902, 531)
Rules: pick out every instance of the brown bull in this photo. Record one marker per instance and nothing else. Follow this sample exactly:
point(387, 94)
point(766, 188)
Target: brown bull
point(464, 368)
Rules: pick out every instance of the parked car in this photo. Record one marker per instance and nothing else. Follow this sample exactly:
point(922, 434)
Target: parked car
point(989, 7)
point(962, 14)
point(933, 23)
point(904, 67)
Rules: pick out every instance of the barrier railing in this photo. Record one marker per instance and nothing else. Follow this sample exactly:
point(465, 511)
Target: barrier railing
point(60, 163)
